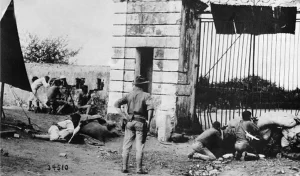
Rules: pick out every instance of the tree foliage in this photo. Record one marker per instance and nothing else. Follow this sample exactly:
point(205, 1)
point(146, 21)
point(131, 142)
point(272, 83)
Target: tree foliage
point(251, 91)
point(48, 50)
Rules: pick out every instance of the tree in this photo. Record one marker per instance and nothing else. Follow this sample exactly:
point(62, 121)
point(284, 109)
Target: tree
point(48, 50)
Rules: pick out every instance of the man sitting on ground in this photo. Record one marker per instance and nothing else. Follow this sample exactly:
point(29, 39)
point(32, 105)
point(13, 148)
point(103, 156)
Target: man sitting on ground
point(207, 141)
point(54, 95)
point(83, 99)
point(242, 139)
point(59, 131)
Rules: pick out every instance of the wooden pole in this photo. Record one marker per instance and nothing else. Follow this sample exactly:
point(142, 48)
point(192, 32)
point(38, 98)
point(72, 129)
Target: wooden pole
point(195, 71)
point(1, 101)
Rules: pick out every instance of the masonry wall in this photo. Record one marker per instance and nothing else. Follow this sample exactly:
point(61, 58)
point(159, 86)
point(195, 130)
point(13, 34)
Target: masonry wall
point(148, 23)
point(90, 73)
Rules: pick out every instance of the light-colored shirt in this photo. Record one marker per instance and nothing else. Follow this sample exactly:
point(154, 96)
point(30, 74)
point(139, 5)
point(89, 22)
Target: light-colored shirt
point(66, 124)
point(38, 83)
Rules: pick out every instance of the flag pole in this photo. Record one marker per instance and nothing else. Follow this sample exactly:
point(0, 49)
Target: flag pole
point(1, 101)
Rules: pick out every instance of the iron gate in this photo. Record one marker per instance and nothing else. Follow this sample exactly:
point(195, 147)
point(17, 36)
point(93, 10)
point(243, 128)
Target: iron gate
point(241, 72)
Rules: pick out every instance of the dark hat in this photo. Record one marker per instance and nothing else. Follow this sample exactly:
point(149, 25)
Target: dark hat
point(140, 80)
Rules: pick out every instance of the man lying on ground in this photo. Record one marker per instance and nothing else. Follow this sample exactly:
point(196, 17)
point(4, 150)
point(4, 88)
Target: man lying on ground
point(59, 131)
point(207, 141)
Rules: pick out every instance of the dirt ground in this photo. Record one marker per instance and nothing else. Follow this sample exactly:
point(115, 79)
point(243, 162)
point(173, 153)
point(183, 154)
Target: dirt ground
point(27, 156)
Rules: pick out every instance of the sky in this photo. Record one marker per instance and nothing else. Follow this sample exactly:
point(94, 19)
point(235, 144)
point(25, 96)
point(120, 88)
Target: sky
point(87, 25)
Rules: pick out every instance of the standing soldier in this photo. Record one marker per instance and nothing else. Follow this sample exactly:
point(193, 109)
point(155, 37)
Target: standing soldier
point(140, 113)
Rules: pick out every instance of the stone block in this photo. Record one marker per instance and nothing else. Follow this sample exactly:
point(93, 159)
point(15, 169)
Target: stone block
point(150, 41)
point(183, 90)
point(130, 64)
point(151, 30)
point(116, 86)
point(154, 6)
point(116, 75)
point(117, 63)
point(165, 89)
point(113, 97)
point(165, 77)
point(165, 65)
point(118, 53)
point(168, 103)
point(149, 18)
point(128, 53)
point(128, 86)
point(118, 42)
point(162, 53)
point(129, 76)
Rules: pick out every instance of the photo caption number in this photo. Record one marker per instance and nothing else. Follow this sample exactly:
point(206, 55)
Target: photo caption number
point(58, 167)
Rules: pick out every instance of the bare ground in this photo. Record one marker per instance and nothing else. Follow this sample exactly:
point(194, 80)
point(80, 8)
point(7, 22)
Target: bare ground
point(27, 156)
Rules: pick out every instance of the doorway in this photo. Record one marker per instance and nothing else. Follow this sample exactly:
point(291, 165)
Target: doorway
point(144, 65)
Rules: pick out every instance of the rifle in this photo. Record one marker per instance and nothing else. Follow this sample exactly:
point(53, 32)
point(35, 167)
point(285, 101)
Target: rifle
point(250, 136)
point(76, 130)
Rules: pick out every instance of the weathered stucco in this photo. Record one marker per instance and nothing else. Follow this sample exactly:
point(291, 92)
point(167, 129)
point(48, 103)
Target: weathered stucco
point(153, 24)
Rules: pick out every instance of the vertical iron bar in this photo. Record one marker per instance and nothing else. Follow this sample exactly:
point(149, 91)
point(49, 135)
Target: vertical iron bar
point(289, 70)
point(267, 66)
point(220, 81)
point(284, 67)
point(211, 45)
point(236, 76)
point(203, 67)
point(228, 79)
point(275, 72)
point(279, 70)
point(249, 67)
point(224, 86)
point(217, 66)
point(271, 58)
point(241, 91)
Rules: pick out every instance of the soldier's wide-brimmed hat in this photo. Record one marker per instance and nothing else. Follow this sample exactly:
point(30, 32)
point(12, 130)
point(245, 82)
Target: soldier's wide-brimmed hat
point(140, 80)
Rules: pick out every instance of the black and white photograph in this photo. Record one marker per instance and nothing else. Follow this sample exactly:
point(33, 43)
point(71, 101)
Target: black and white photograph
point(150, 87)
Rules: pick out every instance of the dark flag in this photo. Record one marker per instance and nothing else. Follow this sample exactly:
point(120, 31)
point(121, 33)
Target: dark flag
point(13, 69)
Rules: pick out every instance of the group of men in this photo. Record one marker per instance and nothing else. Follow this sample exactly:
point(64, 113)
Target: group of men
point(139, 113)
point(59, 95)
point(208, 144)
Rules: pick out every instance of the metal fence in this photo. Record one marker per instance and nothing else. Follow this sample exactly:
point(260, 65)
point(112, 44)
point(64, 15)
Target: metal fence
point(241, 72)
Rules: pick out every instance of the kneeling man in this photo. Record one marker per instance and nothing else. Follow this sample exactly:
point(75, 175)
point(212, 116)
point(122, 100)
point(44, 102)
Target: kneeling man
point(206, 141)
point(245, 131)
